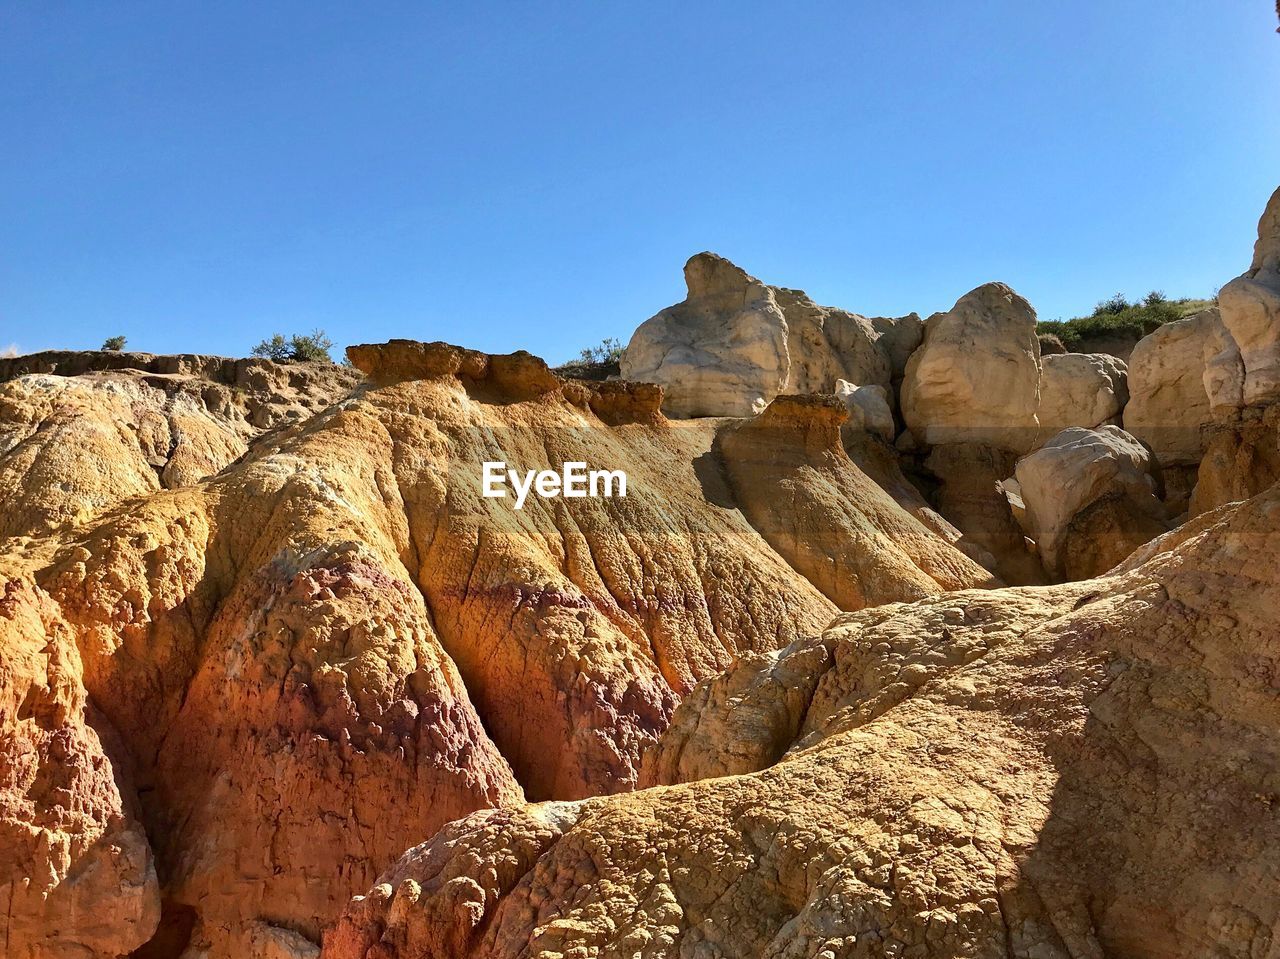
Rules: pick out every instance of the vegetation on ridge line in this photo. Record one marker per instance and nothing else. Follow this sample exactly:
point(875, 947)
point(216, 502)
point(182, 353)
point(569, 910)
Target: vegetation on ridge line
point(1116, 317)
point(298, 348)
point(595, 362)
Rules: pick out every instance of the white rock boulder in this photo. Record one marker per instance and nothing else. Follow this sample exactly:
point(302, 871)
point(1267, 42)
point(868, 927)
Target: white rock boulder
point(735, 343)
point(1080, 389)
point(976, 377)
point(868, 408)
point(1168, 404)
point(1250, 307)
point(1088, 500)
point(721, 352)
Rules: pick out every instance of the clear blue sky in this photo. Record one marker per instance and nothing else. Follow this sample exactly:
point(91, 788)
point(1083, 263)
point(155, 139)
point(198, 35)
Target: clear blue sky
point(533, 175)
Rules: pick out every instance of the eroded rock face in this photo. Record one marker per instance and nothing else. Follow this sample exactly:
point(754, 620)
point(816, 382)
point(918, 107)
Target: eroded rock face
point(1250, 306)
point(970, 496)
point(840, 529)
point(1242, 458)
point(1168, 404)
point(1089, 500)
point(735, 343)
point(82, 432)
point(1081, 770)
point(226, 706)
point(1080, 389)
point(976, 377)
point(868, 407)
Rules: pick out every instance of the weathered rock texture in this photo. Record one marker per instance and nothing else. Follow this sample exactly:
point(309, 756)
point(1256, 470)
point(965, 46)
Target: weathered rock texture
point(1089, 500)
point(969, 495)
point(735, 343)
point(869, 408)
point(1250, 307)
point(976, 377)
point(1242, 380)
point(1080, 389)
point(839, 528)
point(82, 432)
point(1073, 771)
point(1168, 405)
point(226, 706)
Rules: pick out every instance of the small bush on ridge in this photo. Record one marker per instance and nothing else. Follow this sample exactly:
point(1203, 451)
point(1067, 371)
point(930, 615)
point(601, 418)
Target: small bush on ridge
point(313, 348)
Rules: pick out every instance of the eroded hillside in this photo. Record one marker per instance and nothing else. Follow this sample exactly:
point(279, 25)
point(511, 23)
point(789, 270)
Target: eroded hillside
point(262, 631)
point(232, 703)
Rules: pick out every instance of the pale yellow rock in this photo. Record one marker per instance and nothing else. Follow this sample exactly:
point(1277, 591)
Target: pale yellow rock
point(82, 432)
point(227, 706)
point(1250, 307)
point(869, 409)
point(1089, 500)
point(1168, 404)
point(735, 343)
point(1080, 389)
point(976, 377)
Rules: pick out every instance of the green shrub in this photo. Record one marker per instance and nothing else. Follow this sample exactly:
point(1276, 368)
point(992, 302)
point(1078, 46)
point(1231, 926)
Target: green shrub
point(114, 344)
point(1114, 305)
point(311, 348)
point(1110, 320)
point(595, 362)
point(609, 351)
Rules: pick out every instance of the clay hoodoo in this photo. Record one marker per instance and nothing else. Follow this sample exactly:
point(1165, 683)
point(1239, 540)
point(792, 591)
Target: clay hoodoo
point(735, 343)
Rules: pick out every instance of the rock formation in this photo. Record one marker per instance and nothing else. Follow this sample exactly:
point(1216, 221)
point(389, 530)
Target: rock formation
point(1080, 389)
point(1089, 500)
point(975, 379)
point(842, 531)
point(1168, 405)
point(1242, 458)
point(1081, 770)
point(969, 495)
point(869, 409)
point(1250, 306)
point(226, 706)
point(262, 630)
point(735, 343)
point(1242, 373)
point(81, 432)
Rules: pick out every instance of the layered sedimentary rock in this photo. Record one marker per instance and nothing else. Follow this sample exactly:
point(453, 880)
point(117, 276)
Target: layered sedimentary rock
point(1080, 389)
point(976, 377)
point(1081, 770)
point(970, 496)
point(735, 343)
point(1089, 500)
point(81, 432)
point(839, 528)
point(1242, 457)
point(226, 706)
point(1242, 379)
